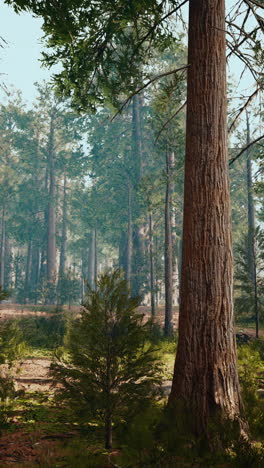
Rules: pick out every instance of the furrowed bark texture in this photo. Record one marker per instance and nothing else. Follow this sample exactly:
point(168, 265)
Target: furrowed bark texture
point(205, 379)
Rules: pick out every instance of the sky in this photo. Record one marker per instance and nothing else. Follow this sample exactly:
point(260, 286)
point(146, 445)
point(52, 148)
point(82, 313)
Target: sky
point(20, 59)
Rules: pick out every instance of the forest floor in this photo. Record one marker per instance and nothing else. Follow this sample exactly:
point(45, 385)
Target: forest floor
point(36, 433)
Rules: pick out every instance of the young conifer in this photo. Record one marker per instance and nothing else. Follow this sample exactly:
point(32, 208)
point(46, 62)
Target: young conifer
point(109, 369)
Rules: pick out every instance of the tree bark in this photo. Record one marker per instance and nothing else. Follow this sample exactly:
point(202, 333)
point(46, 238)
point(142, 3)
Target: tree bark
point(168, 328)
point(51, 246)
point(63, 231)
point(91, 260)
point(137, 263)
point(95, 258)
point(122, 250)
point(251, 233)
point(205, 384)
point(2, 269)
point(28, 265)
point(151, 261)
point(129, 248)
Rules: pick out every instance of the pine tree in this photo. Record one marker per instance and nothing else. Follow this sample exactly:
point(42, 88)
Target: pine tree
point(108, 370)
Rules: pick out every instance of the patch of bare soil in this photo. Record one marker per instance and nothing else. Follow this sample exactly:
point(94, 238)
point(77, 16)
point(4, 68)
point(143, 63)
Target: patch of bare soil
point(33, 375)
point(33, 449)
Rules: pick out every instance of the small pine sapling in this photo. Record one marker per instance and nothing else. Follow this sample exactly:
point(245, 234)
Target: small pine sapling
point(108, 369)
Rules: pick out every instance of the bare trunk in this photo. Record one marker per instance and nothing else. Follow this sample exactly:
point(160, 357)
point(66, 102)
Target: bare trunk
point(34, 275)
point(205, 383)
point(28, 265)
point(51, 247)
point(151, 261)
point(2, 270)
point(91, 261)
point(122, 250)
point(63, 231)
point(95, 258)
point(138, 241)
point(168, 328)
point(251, 233)
point(129, 235)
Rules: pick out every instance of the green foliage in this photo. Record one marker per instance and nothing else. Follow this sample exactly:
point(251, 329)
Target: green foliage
point(245, 300)
point(108, 368)
point(42, 332)
point(251, 374)
point(68, 289)
point(12, 345)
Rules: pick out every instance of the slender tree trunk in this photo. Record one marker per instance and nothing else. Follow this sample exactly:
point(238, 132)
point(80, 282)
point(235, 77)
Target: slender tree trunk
point(168, 328)
point(251, 233)
point(205, 384)
point(8, 262)
point(138, 249)
point(17, 270)
point(51, 247)
point(28, 265)
point(91, 262)
point(129, 235)
point(63, 231)
point(3, 235)
point(95, 258)
point(151, 261)
point(34, 275)
point(122, 250)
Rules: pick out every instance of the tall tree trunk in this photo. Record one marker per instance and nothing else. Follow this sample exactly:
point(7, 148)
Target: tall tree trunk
point(2, 269)
point(138, 248)
point(95, 258)
point(205, 383)
point(63, 231)
point(251, 233)
point(151, 261)
point(27, 273)
point(129, 235)
point(168, 328)
point(8, 263)
point(122, 250)
point(43, 253)
point(91, 261)
point(51, 247)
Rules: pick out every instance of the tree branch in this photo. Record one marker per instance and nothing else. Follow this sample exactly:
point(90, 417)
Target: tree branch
point(241, 110)
point(245, 149)
point(156, 24)
point(152, 80)
point(169, 120)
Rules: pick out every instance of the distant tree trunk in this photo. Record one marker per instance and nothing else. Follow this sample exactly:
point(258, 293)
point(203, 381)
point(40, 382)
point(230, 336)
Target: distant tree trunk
point(91, 263)
point(28, 265)
point(151, 261)
point(8, 262)
point(175, 259)
point(122, 250)
point(95, 258)
point(251, 233)
point(34, 276)
point(129, 235)
point(137, 263)
point(205, 386)
point(51, 248)
point(44, 245)
point(63, 231)
point(17, 270)
point(2, 270)
point(168, 328)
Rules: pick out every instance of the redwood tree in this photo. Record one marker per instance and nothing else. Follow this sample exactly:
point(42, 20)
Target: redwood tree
point(205, 383)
